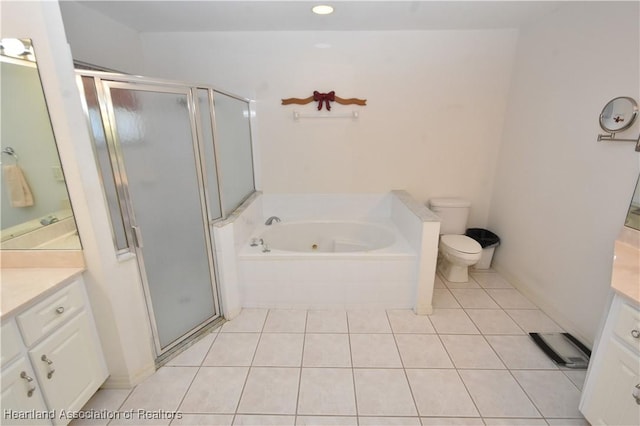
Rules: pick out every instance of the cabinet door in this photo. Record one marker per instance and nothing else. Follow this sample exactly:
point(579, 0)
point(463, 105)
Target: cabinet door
point(21, 395)
point(68, 365)
point(612, 402)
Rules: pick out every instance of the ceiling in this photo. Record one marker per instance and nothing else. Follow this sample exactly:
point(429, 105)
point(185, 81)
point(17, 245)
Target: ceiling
point(295, 15)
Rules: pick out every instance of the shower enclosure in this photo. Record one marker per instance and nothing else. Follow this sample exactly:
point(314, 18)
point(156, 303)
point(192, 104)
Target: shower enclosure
point(174, 158)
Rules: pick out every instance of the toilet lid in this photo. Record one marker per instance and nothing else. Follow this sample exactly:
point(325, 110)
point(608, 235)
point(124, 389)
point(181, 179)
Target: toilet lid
point(461, 243)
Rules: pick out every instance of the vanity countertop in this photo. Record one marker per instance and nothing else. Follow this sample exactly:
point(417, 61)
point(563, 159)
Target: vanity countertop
point(625, 278)
point(20, 286)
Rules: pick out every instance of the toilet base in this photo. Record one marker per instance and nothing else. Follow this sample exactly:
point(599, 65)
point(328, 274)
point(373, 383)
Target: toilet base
point(453, 273)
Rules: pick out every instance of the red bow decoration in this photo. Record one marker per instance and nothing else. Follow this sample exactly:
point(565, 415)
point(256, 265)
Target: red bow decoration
point(324, 97)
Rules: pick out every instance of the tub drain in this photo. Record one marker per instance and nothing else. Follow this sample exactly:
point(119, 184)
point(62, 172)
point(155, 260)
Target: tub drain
point(314, 247)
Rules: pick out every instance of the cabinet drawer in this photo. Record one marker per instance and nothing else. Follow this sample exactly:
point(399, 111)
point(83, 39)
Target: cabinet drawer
point(628, 326)
point(44, 317)
point(11, 342)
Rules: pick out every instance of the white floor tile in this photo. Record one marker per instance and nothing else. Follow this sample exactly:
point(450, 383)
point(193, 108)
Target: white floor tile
point(452, 321)
point(368, 321)
point(469, 284)
point(194, 355)
point(551, 391)
point(326, 350)
point(232, 349)
point(162, 391)
point(248, 321)
point(520, 352)
point(374, 351)
point(326, 391)
point(270, 391)
point(442, 298)
point(383, 392)
point(422, 351)
point(471, 352)
point(533, 320)
point(285, 321)
point(252, 420)
point(497, 394)
point(438, 283)
point(440, 393)
point(327, 321)
point(577, 377)
point(406, 321)
point(493, 321)
point(474, 298)
point(490, 280)
point(452, 421)
point(326, 421)
point(204, 420)
point(136, 418)
point(567, 422)
point(279, 350)
point(510, 298)
point(105, 399)
point(515, 422)
point(389, 421)
point(215, 390)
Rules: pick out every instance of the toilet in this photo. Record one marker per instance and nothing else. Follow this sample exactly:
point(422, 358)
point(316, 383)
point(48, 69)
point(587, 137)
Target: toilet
point(456, 251)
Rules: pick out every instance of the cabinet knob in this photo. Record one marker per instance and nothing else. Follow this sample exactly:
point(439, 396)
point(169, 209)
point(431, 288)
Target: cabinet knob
point(60, 310)
point(31, 387)
point(49, 365)
point(635, 333)
point(636, 393)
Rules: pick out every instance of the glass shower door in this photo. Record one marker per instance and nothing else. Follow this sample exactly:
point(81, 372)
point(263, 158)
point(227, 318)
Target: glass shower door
point(154, 139)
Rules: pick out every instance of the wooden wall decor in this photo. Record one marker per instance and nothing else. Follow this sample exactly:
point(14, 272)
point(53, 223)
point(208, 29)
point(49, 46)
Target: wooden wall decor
point(324, 99)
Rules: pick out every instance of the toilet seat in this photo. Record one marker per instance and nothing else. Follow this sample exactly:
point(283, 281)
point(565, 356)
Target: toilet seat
point(460, 244)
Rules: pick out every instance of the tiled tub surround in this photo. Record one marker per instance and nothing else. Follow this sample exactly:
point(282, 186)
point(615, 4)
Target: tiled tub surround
point(398, 276)
point(469, 363)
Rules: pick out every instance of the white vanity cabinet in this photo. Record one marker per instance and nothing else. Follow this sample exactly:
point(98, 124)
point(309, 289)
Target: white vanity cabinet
point(53, 359)
point(611, 394)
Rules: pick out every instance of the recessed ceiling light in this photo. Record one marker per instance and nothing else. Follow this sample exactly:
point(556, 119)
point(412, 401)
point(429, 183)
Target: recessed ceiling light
point(322, 9)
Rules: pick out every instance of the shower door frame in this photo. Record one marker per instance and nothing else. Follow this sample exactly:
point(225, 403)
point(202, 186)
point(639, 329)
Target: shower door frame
point(103, 81)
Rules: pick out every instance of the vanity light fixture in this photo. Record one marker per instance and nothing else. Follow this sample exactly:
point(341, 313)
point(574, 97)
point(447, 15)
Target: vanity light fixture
point(13, 46)
point(322, 9)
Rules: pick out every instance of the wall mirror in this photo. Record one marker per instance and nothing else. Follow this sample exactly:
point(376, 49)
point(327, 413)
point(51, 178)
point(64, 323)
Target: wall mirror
point(35, 207)
point(618, 114)
point(633, 215)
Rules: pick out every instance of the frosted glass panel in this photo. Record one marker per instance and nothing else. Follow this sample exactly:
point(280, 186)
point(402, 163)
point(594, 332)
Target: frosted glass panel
point(206, 126)
point(104, 164)
point(234, 150)
point(155, 135)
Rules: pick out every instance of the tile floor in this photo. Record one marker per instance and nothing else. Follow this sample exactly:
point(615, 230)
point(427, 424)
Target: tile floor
point(470, 363)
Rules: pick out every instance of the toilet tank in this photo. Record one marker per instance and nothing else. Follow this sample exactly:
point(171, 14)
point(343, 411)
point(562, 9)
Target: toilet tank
point(453, 214)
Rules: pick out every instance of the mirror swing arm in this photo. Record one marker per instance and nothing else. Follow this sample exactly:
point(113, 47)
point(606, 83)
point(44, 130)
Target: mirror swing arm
point(618, 115)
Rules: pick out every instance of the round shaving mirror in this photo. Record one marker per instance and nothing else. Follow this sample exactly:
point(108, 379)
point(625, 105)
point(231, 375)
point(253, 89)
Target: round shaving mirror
point(619, 114)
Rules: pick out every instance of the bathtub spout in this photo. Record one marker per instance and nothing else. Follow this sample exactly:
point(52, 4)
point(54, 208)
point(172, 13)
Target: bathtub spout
point(271, 219)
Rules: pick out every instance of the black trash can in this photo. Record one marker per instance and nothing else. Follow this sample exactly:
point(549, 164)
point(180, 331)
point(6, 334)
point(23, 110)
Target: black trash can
point(488, 241)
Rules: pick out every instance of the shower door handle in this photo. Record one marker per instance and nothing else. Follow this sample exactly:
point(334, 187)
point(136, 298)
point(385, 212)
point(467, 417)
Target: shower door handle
point(137, 236)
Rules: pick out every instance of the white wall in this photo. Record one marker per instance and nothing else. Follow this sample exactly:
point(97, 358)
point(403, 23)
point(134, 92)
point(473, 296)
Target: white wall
point(435, 103)
point(99, 40)
point(114, 288)
point(560, 197)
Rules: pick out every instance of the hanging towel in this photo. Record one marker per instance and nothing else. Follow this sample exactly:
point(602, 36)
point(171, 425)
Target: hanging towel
point(19, 192)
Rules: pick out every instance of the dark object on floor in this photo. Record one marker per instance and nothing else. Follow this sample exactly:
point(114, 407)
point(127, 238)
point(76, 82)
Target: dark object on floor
point(563, 349)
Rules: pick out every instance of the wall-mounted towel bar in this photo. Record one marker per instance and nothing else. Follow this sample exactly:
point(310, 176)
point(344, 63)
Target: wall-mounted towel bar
point(353, 115)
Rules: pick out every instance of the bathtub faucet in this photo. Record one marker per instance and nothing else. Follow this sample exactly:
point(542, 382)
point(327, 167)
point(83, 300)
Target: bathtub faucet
point(271, 219)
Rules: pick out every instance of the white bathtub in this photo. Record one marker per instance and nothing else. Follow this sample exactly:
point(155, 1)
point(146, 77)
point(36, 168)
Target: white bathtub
point(328, 236)
point(329, 251)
